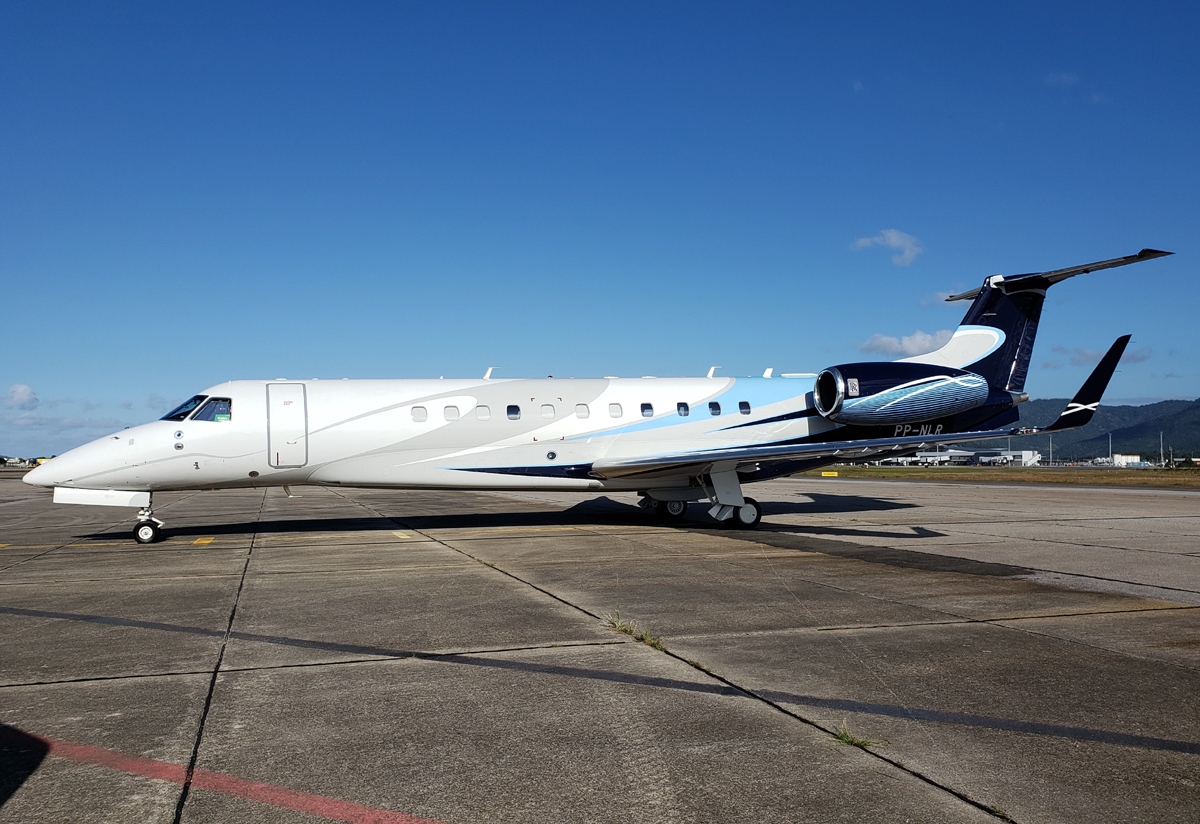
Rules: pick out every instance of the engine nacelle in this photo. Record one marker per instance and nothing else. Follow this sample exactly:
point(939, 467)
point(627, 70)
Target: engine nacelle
point(892, 393)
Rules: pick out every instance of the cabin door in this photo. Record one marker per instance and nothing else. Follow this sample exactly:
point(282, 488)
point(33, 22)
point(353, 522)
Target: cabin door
point(287, 425)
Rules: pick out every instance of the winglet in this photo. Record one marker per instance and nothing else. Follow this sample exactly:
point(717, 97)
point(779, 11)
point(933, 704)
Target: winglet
point(1081, 408)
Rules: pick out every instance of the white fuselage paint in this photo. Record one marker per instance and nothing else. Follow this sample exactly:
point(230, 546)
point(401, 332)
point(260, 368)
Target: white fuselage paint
point(366, 433)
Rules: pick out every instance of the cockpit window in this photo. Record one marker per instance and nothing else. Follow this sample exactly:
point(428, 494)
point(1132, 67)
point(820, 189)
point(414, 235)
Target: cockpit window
point(180, 412)
point(217, 409)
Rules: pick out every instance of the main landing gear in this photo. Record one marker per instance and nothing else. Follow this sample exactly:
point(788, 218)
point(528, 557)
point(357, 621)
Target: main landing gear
point(746, 516)
point(723, 490)
point(671, 510)
point(148, 529)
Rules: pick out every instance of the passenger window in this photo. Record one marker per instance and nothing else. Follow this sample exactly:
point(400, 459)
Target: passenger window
point(647, 410)
point(744, 407)
point(419, 414)
point(614, 410)
point(581, 410)
point(547, 410)
point(683, 409)
point(180, 412)
point(714, 408)
point(514, 412)
point(483, 413)
point(451, 413)
point(217, 409)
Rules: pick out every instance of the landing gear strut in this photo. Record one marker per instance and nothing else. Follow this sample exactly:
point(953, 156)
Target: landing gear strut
point(148, 529)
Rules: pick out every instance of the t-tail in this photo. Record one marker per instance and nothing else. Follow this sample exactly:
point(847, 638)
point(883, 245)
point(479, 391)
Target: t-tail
point(995, 338)
point(975, 382)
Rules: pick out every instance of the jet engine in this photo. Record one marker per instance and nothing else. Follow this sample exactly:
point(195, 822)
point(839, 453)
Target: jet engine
point(895, 393)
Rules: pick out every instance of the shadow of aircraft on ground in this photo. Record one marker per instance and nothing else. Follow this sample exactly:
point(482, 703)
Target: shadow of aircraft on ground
point(604, 511)
point(20, 755)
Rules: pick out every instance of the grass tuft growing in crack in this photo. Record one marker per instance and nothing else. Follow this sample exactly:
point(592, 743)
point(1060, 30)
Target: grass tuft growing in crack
point(846, 737)
point(998, 811)
point(631, 628)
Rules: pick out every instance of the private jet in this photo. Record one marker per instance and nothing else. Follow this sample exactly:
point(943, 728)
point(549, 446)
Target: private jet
point(674, 441)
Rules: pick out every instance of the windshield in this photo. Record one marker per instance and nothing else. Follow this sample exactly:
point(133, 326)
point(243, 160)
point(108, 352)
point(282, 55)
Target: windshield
point(217, 409)
point(180, 412)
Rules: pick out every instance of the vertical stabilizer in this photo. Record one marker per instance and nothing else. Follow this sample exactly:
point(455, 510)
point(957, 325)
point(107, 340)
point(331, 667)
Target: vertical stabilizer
point(995, 338)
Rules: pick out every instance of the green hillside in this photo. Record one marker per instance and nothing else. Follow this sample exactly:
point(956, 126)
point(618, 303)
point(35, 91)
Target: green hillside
point(1134, 429)
point(1180, 431)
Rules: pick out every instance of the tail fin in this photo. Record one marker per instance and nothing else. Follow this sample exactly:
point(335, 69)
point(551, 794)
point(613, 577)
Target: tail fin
point(995, 338)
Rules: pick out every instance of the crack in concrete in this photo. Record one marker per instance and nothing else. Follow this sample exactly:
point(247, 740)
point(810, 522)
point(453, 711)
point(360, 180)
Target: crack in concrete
point(703, 670)
point(185, 789)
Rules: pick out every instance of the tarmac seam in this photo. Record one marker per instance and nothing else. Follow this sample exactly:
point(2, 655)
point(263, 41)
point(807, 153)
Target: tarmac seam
point(102, 678)
point(1108, 650)
point(77, 541)
point(416, 655)
point(529, 584)
point(747, 692)
point(189, 775)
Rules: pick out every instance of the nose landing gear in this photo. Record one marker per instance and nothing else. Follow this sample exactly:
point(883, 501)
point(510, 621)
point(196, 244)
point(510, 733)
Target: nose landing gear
point(148, 529)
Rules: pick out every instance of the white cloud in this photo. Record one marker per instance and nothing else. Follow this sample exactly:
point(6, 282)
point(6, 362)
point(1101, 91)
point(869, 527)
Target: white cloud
point(1090, 357)
point(1063, 80)
point(918, 343)
point(20, 396)
point(893, 239)
point(55, 425)
point(30, 426)
point(156, 403)
point(1080, 356)
point(936, 299)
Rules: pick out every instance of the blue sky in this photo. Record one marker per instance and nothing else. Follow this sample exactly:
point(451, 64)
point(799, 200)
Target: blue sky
point(196, 192)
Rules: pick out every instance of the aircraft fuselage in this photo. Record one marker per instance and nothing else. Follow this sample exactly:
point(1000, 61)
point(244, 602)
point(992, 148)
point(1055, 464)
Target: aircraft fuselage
point(464, 434)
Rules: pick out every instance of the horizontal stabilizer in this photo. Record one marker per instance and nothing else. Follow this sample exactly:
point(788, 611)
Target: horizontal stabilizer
point(1042, 280)
point(1081, 408)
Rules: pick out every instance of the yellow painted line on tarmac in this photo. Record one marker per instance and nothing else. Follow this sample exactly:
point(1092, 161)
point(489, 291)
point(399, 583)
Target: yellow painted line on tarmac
point(402, 535)
point(202, 541)
point(3, 546)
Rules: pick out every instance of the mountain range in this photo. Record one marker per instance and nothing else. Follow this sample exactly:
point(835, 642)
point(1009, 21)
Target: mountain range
point(1134, 429)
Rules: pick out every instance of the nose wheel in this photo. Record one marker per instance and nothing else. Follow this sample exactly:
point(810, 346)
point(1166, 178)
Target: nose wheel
point(148, 529)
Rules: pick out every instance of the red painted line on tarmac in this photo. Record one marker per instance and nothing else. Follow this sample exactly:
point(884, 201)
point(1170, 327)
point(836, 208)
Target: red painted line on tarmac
point(333, 809)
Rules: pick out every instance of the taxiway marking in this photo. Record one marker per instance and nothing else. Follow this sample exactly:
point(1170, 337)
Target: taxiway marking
point(334, 809)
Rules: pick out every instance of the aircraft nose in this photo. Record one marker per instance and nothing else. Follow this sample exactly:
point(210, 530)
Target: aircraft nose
point(43, 475)
point(69, 466)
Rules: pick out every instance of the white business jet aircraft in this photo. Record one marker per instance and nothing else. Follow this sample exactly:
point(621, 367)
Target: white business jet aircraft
point(674, 440)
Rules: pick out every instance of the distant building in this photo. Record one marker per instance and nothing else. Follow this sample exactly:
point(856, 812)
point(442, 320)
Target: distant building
point(1126, 460)
point(963, 457)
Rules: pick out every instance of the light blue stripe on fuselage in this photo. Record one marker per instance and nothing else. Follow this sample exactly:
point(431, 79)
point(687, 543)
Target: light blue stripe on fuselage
point(758, 392)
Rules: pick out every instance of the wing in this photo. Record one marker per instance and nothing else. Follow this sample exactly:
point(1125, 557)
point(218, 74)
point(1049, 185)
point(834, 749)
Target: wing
point(1078, 412)
point(719, 460)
